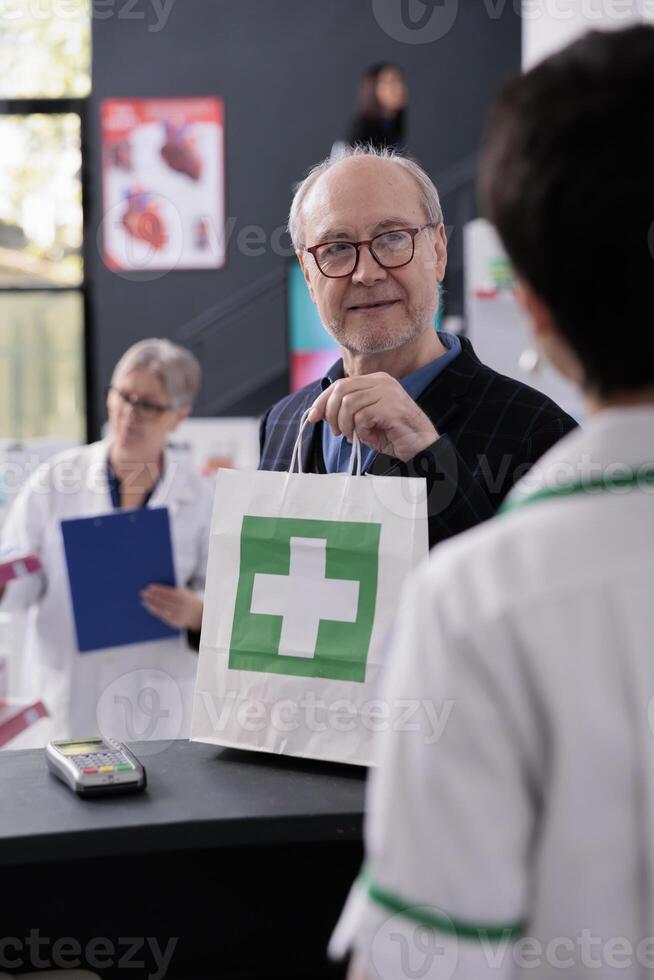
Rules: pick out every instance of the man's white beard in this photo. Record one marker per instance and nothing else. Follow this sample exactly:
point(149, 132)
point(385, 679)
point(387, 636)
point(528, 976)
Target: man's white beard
point(377, 340)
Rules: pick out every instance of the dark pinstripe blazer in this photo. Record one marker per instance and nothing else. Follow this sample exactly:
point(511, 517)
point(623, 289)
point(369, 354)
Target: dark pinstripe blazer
point(492, 430)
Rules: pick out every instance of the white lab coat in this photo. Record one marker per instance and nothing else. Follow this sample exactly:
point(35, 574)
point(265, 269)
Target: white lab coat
point(530, 803)
point(136, 691)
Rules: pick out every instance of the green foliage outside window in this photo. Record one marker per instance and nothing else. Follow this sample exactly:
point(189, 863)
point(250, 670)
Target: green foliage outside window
point(45, 49)
point(40, 200)
point(41, 365)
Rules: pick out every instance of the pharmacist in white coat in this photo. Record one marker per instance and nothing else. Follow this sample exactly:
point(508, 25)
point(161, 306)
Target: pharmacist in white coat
point(521, 842)
point(135, 691)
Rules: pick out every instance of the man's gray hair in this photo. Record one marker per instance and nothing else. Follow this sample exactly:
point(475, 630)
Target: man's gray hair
point(428, 193)
point(178, 370)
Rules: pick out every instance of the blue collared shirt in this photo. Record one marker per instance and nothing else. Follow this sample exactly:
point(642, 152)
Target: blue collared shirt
point(114, 487)
point(336, 449)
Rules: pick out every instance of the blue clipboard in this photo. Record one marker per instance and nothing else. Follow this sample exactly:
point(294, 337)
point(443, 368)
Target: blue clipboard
point(110, 559)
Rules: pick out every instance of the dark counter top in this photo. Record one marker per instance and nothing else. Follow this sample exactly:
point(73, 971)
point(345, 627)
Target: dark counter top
point(198, 796)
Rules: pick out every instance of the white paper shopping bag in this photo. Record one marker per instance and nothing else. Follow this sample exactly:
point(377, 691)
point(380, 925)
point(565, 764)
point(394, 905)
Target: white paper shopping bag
point(303, 581)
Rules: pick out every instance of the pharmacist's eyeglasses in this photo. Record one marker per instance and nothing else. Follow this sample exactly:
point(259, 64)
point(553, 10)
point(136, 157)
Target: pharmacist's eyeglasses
point(144, 409)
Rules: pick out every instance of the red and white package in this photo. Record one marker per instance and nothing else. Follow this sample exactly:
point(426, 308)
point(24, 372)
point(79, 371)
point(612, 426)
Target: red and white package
point(18, 714)
point(19, 567)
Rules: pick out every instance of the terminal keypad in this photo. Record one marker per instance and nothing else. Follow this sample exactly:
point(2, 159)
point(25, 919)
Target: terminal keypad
point(103, 761)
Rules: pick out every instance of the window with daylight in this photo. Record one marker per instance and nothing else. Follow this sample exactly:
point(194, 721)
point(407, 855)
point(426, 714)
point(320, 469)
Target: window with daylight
point(45, 51)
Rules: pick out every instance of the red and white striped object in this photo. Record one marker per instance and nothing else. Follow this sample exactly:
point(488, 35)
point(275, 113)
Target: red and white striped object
point(17, 715)
point(19, 567)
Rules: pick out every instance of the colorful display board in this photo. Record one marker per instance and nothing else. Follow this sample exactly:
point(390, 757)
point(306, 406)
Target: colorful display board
point(163, 184)
point(312, 351)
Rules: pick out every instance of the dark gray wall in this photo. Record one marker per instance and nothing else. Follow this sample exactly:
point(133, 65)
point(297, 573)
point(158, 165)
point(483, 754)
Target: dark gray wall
point(287, 71)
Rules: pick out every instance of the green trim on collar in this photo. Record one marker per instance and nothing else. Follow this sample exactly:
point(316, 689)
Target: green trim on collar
point(635, 478)
point(441, 923)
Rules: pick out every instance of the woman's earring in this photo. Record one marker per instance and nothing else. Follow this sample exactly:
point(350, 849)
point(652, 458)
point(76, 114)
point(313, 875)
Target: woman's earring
point(529, 361)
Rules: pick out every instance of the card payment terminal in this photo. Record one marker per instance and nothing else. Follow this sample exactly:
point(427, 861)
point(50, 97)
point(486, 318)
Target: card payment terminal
point(95, 766)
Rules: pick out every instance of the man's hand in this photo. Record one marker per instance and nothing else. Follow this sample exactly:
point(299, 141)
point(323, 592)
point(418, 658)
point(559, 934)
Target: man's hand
point(375, 405)
point(180, 608)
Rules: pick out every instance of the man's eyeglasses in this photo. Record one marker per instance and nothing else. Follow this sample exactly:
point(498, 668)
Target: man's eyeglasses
point(143, 409)
point(390, 250)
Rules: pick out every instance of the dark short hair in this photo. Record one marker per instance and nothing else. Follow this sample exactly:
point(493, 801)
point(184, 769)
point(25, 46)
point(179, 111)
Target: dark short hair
point(369, 106)
point(567, 177)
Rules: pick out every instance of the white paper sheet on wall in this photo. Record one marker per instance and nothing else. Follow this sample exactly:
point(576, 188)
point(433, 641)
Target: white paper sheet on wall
point(218, 443)
point(496, 326)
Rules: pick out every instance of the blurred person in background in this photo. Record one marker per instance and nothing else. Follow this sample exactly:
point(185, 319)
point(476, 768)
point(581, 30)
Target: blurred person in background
point(152, 390)
point(382, 109)
point(521, 843)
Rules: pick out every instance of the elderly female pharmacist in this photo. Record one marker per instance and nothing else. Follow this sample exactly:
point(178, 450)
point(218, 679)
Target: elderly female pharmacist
point(141, 690)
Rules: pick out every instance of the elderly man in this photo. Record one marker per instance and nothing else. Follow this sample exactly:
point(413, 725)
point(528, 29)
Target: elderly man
point(369, 235)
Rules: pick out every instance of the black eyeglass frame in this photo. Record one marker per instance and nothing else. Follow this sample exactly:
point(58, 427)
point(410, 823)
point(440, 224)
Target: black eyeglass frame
point(148, 408)
point(368, 241)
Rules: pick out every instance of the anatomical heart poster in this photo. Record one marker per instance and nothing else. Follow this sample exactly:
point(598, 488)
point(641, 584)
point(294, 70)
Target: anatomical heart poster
point(163, 183)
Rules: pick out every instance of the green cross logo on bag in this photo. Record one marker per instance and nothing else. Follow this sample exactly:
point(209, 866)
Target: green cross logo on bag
point(305, 603)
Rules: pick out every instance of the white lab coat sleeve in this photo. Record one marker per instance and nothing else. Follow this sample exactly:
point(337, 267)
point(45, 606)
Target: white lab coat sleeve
point(205, 506)
point(443, 892)
point(23, 533)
